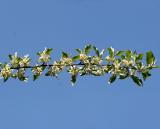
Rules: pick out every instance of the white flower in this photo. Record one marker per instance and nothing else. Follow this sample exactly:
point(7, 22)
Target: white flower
point(127, 62)
point(37, 70)
point(84, 58)
point(25, 61)
point(66, 61)
point(45, 55)
point(6, 71)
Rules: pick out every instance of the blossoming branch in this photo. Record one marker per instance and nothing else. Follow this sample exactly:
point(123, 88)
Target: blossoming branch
point(119, 64)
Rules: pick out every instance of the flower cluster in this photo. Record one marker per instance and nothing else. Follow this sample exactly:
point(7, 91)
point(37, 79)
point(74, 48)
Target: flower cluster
point(55, 69)
point(17, 61)
point(44, 57)
point(120, 64)
point(37, 71)
point(25, 61)
point(6, 72)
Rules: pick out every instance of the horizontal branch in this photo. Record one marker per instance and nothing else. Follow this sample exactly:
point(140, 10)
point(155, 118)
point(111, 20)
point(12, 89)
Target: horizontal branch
point(120, 64)
point(44, 65)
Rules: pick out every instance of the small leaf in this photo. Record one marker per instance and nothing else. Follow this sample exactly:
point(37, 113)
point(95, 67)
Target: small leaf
point(79, 51)
point(137, 80)
point(10, 56)
point(5, 79)
point(112, 78)
point(120, 53)
point(156, 66)
point(75, 58)
point(73, 79)
point(128, 54)
point(64, 55)
point(146, 75)
point(150, 59)
point(87, 49)
point(134, 68)
point(82, 73)
point(139, 57)
point(123, 76)
point(101, 53)
point(96, 51)
point(35, 77)
point(48, 51)
point(139, 65)
point(111, 51)
point(22, 78)
point(43, 68)
point(122, 56)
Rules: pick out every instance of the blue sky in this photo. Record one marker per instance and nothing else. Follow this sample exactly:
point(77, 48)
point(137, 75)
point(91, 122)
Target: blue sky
point(27, 26)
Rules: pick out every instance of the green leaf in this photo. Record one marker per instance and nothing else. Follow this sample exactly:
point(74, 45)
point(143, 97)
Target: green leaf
point(73, 79)
point(83, 73)
point(108, 68)
point(112, 78)
point(133, 67)
point(137, 80)
point(75, 58)
point(111, 51)
point(79, 51)
point(10, 56)
point(22, 78)
point(139, 65)
point(134, 55)
point(146, 75)
point(35, 77)
point(43, 68)
point(120, 53)
point(64, 55)
point(5, 79)
point(123, 76)
point(21, 75)
point(156, 66)
point(150, 59)
point(101, 53)
point(139, 57)
point(48, 51)
point(128, 54)
point(87, 49)
point(96, 51)
point(122, 56)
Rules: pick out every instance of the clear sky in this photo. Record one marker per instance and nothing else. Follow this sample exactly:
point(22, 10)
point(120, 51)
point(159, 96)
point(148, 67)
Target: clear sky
point(28, 26)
